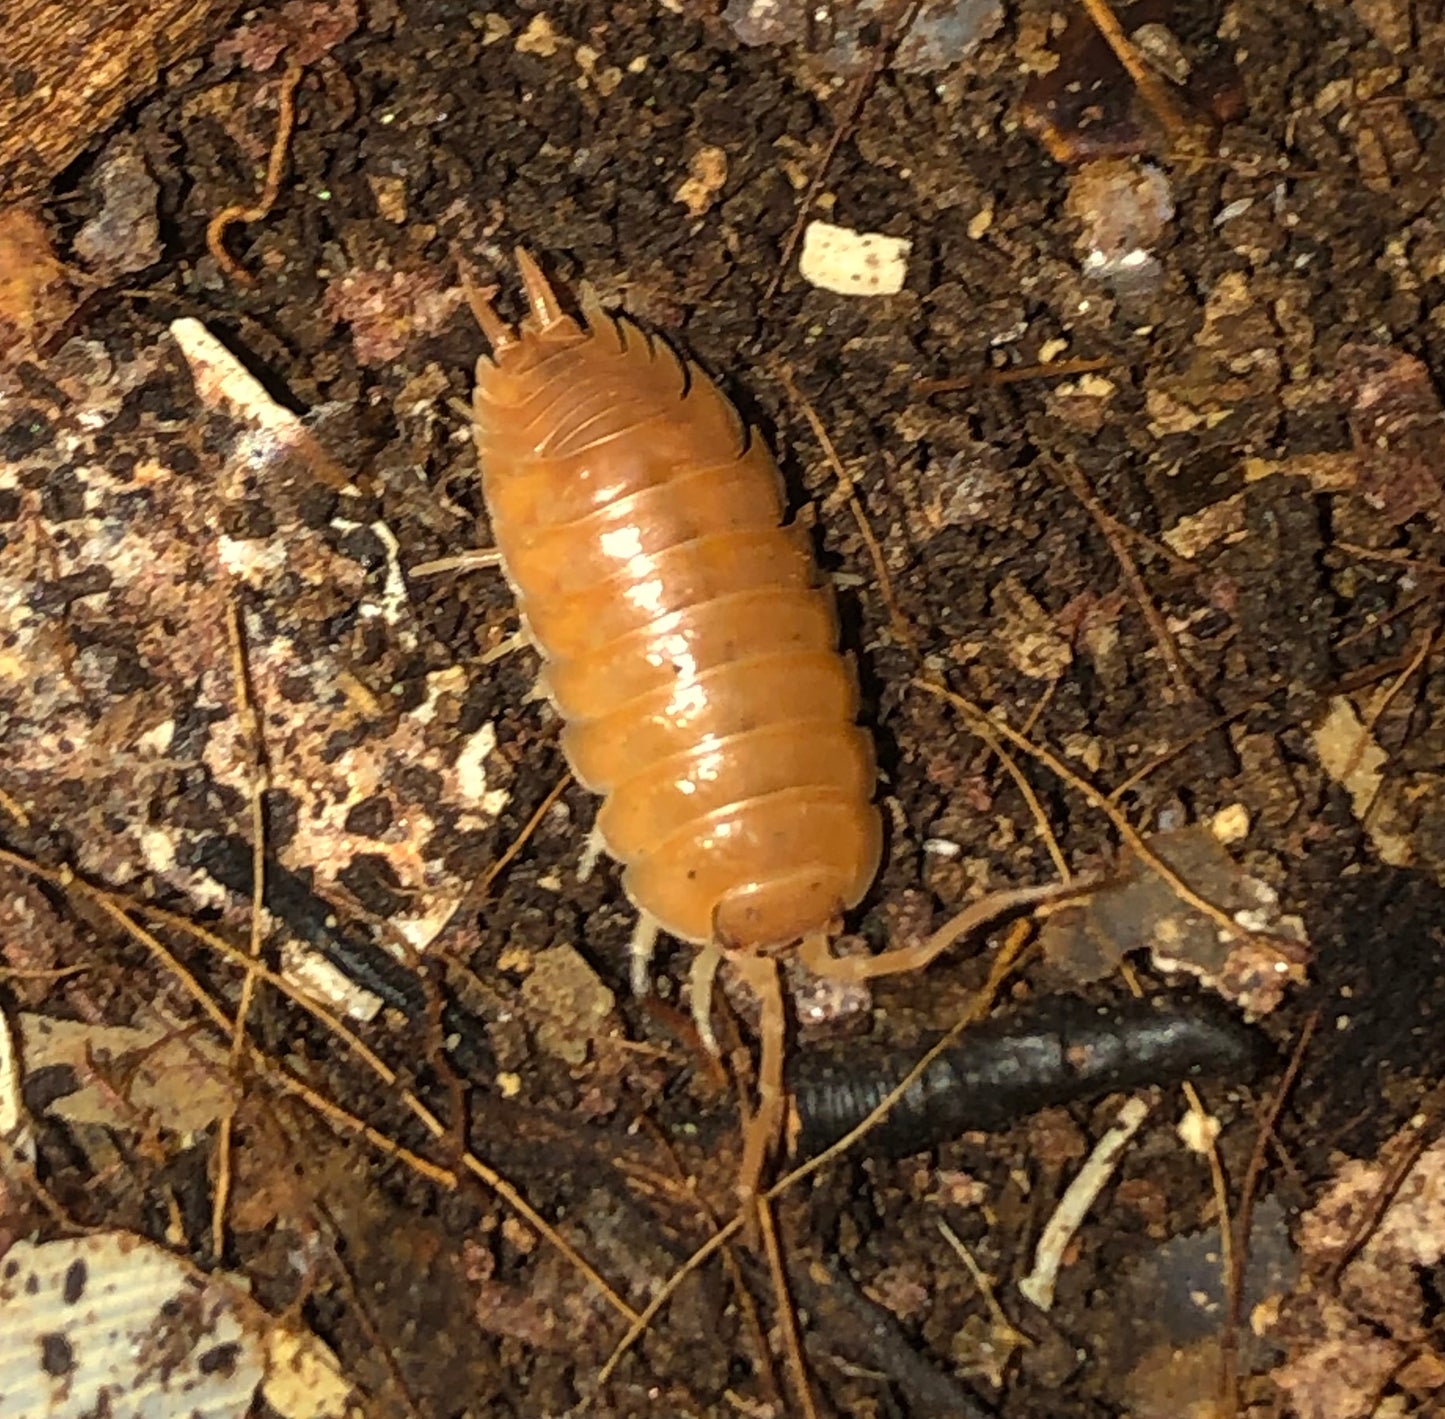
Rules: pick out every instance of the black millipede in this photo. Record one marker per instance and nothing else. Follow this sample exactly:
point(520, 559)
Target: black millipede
point(350, 948)
point(1056, 1050)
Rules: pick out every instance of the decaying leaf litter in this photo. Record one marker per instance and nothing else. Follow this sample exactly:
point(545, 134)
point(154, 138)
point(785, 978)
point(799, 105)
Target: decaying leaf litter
point(1206, 569)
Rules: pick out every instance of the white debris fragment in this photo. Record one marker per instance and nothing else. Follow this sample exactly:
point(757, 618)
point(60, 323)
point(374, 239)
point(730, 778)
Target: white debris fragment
point(113, 1324)
point(310, 972)
point(223, 382)
point(14, 1127)
point(1198, 1131)
point(850, 263)
point(221, 379)
point(393, 605)
point(1230, 824)
point(1038, 1285)
point(420, 927)
point(250, 559)
point(472, 763)
point(303, 1378)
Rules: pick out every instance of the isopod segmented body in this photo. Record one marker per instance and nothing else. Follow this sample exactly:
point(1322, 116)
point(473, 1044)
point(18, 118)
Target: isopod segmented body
point(691, 647)
point(689, 644)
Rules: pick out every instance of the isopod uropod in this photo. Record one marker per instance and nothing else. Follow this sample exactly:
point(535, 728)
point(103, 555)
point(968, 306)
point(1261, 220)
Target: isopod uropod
point(691, 649)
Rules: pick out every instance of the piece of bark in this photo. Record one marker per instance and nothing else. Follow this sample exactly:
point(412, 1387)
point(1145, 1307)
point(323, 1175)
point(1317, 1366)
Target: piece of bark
point(37, 294)
point(71, 66)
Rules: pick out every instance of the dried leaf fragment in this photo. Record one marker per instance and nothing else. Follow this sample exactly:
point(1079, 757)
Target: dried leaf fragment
point(570, 1001)
point(1142, 910)
point(125, 235)
point(1031, 639)
point(147, 1072)
point(36, 297)
point(707, 172)
point(1345, 1342)
point(112, 1324)
point(1351, 756)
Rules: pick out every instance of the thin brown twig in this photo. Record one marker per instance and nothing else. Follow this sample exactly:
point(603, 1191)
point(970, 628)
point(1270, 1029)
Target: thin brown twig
point(787, 1312)
point(1152, 766)
point(376, 1337)
point(981, 1280)
point(1151, 545)
point(221, 1198)
point(117, 908)
point(438, 1130)
point(1031, 799)
point(1078, 485)
point(896, 619)
point(259, 782)
point(997, 379)
point(901, 628)
point(1388, 618)
point(1207, 1135)
point(38, 973)
point(1180, 131)
point(680, 1184)
point(15, 1165)
point(228, 217)
point(1244, 1222)
point(1128, 833)
point(1036, 710)
point(992, 731)
point(349, 1122)
point(484, 883)
point(361, 1308)
point(1042, 826)
point(1008, 957)
point(894, 31)
point(1397, 559)
point(1377, 710)
point(1208, 1131)
point(14, 809)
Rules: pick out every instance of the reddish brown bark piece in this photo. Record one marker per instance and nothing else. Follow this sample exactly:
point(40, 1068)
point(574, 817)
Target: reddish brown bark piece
point(36, 294)
point(70, 68)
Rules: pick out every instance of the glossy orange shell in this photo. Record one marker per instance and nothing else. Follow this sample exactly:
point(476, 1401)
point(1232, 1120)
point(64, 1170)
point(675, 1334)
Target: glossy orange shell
point(689, 643)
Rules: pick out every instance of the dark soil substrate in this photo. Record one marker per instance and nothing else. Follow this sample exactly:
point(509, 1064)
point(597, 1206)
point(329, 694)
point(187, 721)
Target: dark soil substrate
point(483, 130)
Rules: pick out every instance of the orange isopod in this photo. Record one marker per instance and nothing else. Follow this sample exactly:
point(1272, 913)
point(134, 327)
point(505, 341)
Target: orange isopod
point(691, 648)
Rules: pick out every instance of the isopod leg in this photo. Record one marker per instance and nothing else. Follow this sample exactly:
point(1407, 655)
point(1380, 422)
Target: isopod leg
point(700, 982)
point(816, 951)
point(478, 559)
point(639, 953)
point(508, 645)
point(592, 849)
point(760, 974)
